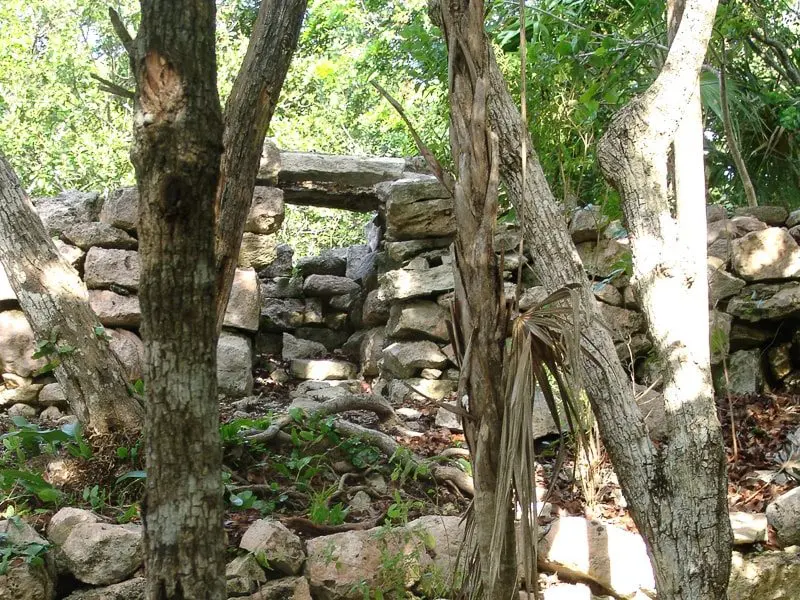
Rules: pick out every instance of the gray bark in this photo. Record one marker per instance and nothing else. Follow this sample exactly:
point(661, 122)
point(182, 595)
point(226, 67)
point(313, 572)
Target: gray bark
point(55, 299)
point(689, 535)
point(177, 148)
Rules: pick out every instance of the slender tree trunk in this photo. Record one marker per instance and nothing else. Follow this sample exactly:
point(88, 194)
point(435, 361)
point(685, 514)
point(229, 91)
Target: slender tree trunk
point(689, 534)
point(177, 148)
point(480, 306)
point(55, 301)
point(248, 113)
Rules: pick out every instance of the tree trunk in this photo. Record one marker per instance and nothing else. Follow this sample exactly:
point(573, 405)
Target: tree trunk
point(689, 534)
point(247, 115)
point(55, 300)
point(177, 148)
point(480, 306)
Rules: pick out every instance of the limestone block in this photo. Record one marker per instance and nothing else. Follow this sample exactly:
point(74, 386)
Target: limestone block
point(586, 224)
point(243, 310)
point(768, 254)
point(766, 302)
point(329, 285)
point(405, 359)
point(102, 235)
point(322, 369)
point(121, 209)
point(280, 548)
point(68, 208)
point(257, 251)
point(109, 267)
point(115, 310)
point(402, 284)
point(234, 364)
point(771, 215)
point(17, 345)
point(420, 319)
point(266, 211)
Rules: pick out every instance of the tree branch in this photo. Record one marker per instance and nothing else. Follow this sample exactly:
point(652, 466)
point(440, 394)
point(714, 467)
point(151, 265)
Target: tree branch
point(122, 32)
point(112, 88)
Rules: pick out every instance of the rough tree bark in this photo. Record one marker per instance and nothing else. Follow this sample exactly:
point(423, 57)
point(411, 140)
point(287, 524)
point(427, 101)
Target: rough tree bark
point(176, 153)
point(636, 460)
point(689, 534)
point(247, 115)
point(480, 307)
point(55, 299)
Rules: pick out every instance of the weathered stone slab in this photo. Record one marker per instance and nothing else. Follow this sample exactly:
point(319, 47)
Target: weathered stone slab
point(361, 263)
point(622, 322)
point(108, 267)
point(67, 209)
point(371, 351)
point(401, 391)
point(327, 337)
point(375, 311)
point(102, 235)
point(322, 369)
point(298, 348)
point(399, 252)
point(129, 349)
point(244, 306)
point(722, 285)
point(402, 284)
point(783, 514)
point(604, 259)
point(281, 266)
point(278, 546)
point(765, 302)
point(330, 262)
point(102, 553)
point(715, 212)
point(767, 575)
point(121, 209)
point(266, 211)
point(329, 285)
point(421, 319)
point(405, 359)
point(744, 374)
point(422, 219)
point(605, 292)
point(234, 364)
point(771, 215)
point(17, 345)
point(281, 314)
point(768, 254)
point(115, 310)
point(258, 251)
point(282, 287)
point(586, 224)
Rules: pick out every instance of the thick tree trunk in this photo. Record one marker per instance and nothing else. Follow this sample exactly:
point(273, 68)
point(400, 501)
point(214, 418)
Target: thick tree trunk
point(689, 534)
point(55, 300)
point(247, 115)
point(480, 306)
point(177, 148)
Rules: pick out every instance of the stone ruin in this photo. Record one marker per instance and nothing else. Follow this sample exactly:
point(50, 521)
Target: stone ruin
point(379, 310)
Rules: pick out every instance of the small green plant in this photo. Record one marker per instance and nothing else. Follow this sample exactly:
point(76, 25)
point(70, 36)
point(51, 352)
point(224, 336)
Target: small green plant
point(320, 511)
point(31, 552)
point(51, 350)
point(96, 497)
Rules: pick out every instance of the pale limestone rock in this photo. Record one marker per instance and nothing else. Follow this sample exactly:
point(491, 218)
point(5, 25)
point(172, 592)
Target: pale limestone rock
point(296, 348)
point(132, 589)
point(286, 588)
point(401, 284)
point(420, 319)
point(722, 285)
point(749, 528)
point(371, 351)
point(771, 215)
point(101, 553)
point(17, 345)
point(604, 259)
point(52, 394)
point(244, 306)
point(784, 515)
point(108, 267)
point(329, 285)
point(401, 391)
point(613, 558)
point(404, 359)
point(768, 254)
point(586, 224)
point(764, 576)
point(102, 235)
point(766, 302)
point(115, 310)
point(274, 543)
point(322, 369)
point(234, 364)
point(129, 349)
point(266, 211)
point(257, 251)
point(68, 208)
point(121, 209)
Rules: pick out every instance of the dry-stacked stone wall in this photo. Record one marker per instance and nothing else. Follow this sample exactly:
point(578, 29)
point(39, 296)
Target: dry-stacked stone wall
point(379, 310)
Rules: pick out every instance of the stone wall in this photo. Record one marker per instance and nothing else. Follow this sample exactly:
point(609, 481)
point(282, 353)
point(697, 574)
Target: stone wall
point(380, 310)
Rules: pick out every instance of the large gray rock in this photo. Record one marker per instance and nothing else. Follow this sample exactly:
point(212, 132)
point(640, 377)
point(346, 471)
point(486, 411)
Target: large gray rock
point(749, 528)
point(720, 249)
point(403, 390)
point(330, 262)
point(586, 224)
point(723, 229)
point(266, 211)
point(745, 225)
point(244, 306)
point(418, 207)
point(129, 349)
point(719, 332)
point(722, 285)
point(115, 310)
point(441, 538)
point(375, 311)
point(405, 359)
point(273, 543)
point(602, 260)
point(715, 212)
point(400, 252)
point(370, 351)
point(72, 254)
point(67, 209)
point(61, 525)
point(101, 553)
point(744, 373)
point(322, 369)
point(102, 235)
point(280, 265)
point(23, 581)
point(771, 215)
point(258, 251)
point(794, 219)
point(132, 589)
point(611, 557)
point(299, 167)
point(296, 348)
point(623, 323)
point(52, 394)
point(282, 287)
point(282, 314)
point(234, 364)
point(243, 575)
point(109, 267)
point(17, 345)
point(783, 514)
point(327, 337)
point(285, 588)
point(121, 209)
point(764, 576)
point(605, 292)
point(402, 284)
point(329, 285)
point(745, 336)
point(361, 263)
point(421, 319)
point(766, 302)
point(768, 254)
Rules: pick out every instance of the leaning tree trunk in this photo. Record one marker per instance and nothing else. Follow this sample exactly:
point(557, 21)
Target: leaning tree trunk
point(176, 153)
point(480, 306)
point(56, 304)
point(689, 535)
point(248, 113)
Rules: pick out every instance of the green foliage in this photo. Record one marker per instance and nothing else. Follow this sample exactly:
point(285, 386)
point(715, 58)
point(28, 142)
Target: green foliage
point(30, 552)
